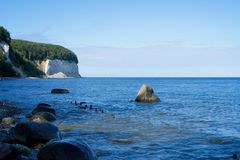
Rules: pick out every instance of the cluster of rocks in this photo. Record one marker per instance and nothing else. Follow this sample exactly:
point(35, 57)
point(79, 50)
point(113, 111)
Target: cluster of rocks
point(37, 138)
point(85, 106)
point(8, 110)
point(43, 113)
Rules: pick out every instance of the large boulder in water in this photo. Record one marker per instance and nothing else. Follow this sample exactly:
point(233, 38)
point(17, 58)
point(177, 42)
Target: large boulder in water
point(59, 91)
point(33, 133)
point(42, 107)
point(67, 149)
point(146, 94)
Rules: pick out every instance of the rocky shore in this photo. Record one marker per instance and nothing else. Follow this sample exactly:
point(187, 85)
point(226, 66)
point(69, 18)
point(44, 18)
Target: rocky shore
point(35, 137)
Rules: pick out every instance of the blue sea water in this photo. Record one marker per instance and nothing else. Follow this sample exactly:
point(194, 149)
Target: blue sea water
point(197, 118)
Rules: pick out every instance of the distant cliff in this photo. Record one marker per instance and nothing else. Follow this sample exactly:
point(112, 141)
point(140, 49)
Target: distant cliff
point(20, 58)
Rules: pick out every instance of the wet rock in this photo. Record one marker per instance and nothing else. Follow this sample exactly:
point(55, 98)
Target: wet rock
point(8, 121)
point(234, 156)
point(43, 117)
point(5, 137)
point(23, 150)
point(8, 110)
point(48, 116)
point(146, 94)
point(68, 149)
point(42, 107)
point(59, 91)
point(122, 141)
point(8, 152)
point(81, 103)
point(33, 133)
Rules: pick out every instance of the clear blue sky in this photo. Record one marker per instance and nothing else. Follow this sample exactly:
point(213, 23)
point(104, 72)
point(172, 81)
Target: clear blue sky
point(135, 37)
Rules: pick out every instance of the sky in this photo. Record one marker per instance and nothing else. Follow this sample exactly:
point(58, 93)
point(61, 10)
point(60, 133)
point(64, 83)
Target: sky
point(135, 38)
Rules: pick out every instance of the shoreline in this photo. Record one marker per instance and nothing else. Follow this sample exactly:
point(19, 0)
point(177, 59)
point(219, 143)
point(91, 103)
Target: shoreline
point(19, 78)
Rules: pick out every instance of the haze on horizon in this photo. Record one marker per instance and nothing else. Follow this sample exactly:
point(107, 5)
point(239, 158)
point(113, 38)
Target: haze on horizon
point(135, 38)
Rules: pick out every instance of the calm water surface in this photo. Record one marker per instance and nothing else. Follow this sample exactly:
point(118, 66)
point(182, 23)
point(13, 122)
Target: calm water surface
point(197, 118)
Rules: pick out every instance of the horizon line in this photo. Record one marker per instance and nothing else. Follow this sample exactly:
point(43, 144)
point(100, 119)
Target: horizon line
point(158, 77)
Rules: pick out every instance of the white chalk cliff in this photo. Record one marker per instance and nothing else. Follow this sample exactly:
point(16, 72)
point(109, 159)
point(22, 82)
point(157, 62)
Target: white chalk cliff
point(59, 68)
point(5, 48)
point(52, 68)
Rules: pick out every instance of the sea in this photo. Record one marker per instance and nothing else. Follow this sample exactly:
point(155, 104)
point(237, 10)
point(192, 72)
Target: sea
point(197, 118)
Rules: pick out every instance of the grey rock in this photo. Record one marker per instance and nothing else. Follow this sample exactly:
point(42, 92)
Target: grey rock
point(59, 91)
point(42, 107)
point(68, 149)
point(146, 94)
point(8, 121)
point(33, 133)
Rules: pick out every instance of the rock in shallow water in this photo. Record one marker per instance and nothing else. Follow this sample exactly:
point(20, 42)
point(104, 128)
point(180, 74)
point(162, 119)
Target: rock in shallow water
point(42, 107)
point(67, 149)
point(33, 133)
point(8, 121)
point(8, 110)
point(59, 91)
point(146, 94)
point(43, 117)
point(38, 118)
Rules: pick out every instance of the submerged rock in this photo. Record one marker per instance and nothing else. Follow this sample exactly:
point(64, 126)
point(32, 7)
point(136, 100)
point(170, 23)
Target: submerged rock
point(32, 133)
point(146, 94)
point(59, 91)
point(68, 149)
point(42, 107)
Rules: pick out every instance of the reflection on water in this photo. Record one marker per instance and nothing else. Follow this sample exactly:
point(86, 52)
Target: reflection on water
point(197, 118)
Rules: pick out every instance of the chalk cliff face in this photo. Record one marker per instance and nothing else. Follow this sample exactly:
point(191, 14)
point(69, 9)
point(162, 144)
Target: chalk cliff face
point(5, 47)
point(59, 68)
point(21, 58)
point(52, 68)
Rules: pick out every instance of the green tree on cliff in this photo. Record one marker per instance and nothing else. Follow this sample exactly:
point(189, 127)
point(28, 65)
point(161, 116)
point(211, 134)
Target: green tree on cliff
point(4, 35)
